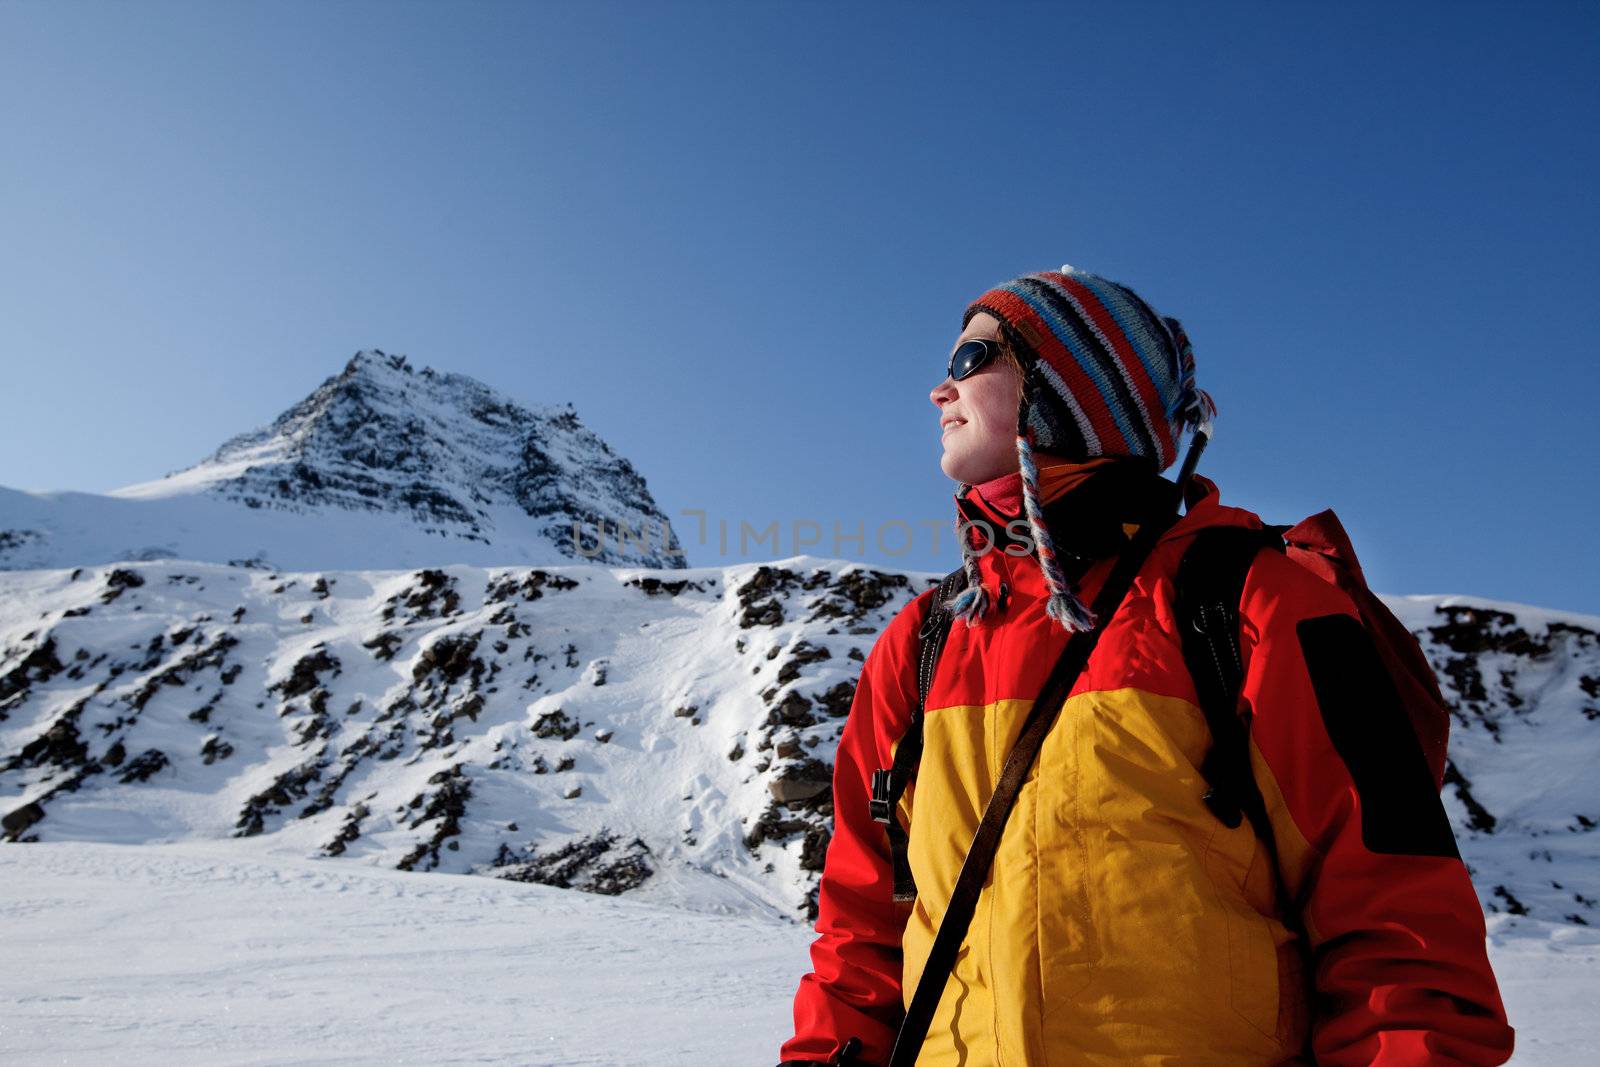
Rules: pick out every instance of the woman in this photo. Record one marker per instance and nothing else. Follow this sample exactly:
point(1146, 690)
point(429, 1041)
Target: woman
point(1123, 921)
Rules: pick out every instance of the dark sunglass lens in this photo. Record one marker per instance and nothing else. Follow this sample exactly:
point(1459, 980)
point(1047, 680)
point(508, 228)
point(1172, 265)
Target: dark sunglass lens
point(969, 358)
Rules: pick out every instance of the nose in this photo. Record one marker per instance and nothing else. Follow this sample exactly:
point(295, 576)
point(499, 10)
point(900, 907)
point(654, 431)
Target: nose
point(943, 393)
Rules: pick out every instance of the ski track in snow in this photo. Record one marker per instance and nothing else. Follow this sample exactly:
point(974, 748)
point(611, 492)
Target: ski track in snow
point(216, 953)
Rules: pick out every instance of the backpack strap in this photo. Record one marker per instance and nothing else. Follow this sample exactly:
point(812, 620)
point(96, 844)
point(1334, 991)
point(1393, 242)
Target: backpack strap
point(1210, 583)
point(889, 783)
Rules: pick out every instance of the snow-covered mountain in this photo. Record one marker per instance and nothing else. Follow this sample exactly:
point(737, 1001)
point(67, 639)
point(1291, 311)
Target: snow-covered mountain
point(381, 466)
point(663, 733)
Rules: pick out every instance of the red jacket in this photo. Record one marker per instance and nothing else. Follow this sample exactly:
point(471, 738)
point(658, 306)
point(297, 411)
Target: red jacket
point(1123, 922)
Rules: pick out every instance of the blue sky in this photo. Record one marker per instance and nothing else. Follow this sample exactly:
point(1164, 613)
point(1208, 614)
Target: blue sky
point(739, 238)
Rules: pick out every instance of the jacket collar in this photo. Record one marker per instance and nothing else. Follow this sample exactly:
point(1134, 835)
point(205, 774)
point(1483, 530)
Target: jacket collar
point(1088, 520)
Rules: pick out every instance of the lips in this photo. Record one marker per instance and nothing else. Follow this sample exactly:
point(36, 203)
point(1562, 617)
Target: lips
point(946, 425)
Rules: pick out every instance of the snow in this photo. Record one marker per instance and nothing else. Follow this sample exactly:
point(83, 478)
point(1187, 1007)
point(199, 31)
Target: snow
point(1549, 976)
point(145, 931)
point(212, 952)
point(148, 930)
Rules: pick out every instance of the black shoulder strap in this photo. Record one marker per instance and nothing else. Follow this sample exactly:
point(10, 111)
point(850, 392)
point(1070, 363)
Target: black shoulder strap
point(889, 784)
point(1210, 583)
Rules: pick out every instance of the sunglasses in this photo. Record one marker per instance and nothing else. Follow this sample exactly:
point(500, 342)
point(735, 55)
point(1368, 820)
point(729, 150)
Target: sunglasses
point(970, 357)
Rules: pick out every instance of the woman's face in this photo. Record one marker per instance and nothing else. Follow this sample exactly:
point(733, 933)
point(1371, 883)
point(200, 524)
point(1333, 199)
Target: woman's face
point(978, 415)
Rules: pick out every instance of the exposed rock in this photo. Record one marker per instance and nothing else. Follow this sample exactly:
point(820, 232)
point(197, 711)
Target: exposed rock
point(1480, 817)
point(762, 613)
point(118, 582)
point(654, 586)
point(837, 699)
point(348, 832)
point(214, 748)
point(59, 745)
point(532, 586)
point(433, 596)
point(305, 675)
point(450, 657)
point(857, 591)
point(19, 819)
point(814, 849)
point(1512, 904)
point(793, 710)
point(285, 789)
point(801, 781)
point(803, 653)
point(36, 667)
point(384, 645)
point(593, 864)
point(758, 595)
point(556, 723)
point(144, 765)
point(773, 824)
point(447, 804)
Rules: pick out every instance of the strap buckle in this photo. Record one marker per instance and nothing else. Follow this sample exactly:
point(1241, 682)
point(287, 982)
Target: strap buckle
point(879, 805)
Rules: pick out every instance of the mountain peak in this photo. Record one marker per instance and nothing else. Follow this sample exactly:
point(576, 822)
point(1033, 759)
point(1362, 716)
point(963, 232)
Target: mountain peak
point(373, 361)
point(444, 451)
point(383, 465)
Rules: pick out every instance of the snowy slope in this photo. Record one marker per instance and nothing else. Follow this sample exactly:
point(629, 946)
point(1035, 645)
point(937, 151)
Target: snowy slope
point(1524, 685)
point(220, 953)
point(665, 733)
point(607, 728)
point(381, 466)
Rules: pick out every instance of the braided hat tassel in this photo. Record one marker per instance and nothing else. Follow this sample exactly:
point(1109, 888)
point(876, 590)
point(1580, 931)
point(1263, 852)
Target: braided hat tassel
point(1064, 605)
point(972, 603)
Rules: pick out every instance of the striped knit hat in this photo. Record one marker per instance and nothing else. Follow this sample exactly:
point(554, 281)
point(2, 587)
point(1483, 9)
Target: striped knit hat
point(1103, 375)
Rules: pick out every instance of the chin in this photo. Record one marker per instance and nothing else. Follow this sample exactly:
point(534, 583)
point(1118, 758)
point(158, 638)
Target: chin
point(972, 470)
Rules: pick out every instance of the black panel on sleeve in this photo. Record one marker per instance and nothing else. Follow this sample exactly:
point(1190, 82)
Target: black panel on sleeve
point(1401, 814)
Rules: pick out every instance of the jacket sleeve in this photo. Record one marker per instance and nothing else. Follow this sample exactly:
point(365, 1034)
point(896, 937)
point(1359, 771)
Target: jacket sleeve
point(853, 989)
point(1394, 926)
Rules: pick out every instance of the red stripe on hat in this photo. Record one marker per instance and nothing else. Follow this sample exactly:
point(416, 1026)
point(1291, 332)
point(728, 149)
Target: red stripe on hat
point(1125, 353)
point(1037, 332)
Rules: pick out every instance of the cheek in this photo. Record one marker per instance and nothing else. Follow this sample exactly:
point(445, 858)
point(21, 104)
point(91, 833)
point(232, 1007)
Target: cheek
point(998, 409)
